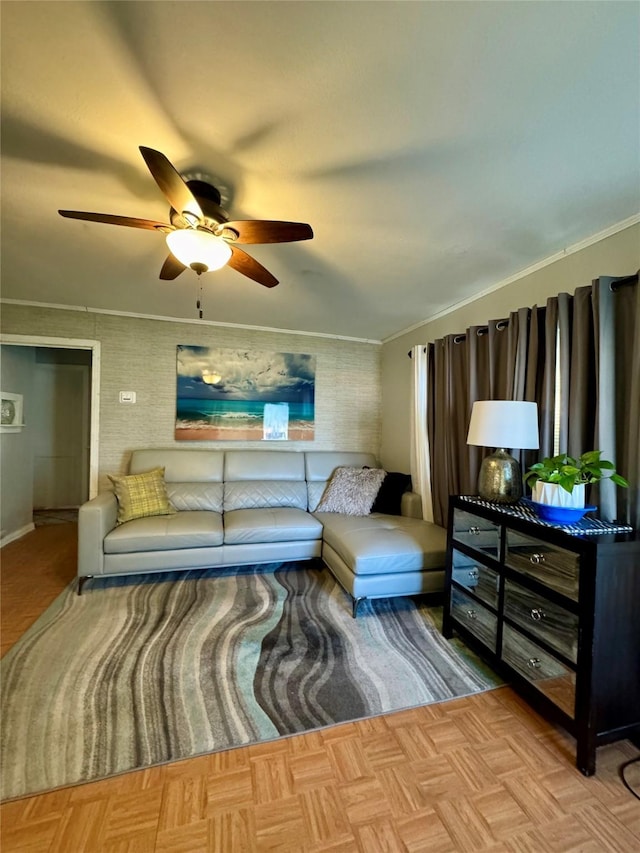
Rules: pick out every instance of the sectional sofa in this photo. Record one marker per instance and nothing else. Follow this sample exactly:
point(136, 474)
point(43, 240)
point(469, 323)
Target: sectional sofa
point(239, 507)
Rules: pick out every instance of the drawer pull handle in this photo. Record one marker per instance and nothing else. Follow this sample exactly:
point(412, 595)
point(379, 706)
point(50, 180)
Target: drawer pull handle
point(473, 574)
point(472, 614)
point(534, 663)
point(474, 530)
point(536, 559)
point(537, 614)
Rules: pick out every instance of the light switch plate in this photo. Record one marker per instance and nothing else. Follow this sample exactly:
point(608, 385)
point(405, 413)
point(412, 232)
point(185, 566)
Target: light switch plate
point(127, 396)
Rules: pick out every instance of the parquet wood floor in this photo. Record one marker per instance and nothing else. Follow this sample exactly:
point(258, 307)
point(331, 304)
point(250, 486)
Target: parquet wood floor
point(478, 774)
point(35, 570)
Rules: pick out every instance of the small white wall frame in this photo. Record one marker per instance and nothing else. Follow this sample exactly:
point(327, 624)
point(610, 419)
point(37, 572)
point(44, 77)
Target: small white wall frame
point(11, 412)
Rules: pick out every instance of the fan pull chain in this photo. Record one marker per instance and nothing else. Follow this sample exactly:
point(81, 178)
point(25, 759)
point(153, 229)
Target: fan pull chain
point(199, 299)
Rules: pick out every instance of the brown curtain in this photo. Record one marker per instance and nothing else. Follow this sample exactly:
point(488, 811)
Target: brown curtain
point(586, 347)
point(582, 372)
point(539, 378)
point(486, 350)
point(627, 404)
point(616, 309)
point(499, 361)
point(447, 421)
point(599, 367)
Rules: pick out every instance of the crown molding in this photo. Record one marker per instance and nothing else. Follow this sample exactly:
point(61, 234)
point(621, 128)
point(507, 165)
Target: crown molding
point(563, 253)
point(86, 310)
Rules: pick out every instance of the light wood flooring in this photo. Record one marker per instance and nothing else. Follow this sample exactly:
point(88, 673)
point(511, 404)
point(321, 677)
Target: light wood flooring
point(478, 774)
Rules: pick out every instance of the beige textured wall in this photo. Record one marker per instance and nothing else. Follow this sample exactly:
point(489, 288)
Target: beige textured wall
point(16, 448)
point(618, 254)
point(140, 355)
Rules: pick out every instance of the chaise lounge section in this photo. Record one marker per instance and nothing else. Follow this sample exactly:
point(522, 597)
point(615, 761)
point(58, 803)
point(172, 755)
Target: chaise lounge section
point(376, 555)
point(240, 507)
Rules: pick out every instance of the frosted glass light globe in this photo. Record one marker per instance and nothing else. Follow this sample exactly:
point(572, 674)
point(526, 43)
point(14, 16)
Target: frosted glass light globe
point(199, 248)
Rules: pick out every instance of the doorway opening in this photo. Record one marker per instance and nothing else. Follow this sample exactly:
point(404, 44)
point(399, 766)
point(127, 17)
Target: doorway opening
point(59, 379)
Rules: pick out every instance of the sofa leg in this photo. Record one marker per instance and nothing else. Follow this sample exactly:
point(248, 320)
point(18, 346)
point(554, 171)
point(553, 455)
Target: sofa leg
point(355, 603)
point(81, 582)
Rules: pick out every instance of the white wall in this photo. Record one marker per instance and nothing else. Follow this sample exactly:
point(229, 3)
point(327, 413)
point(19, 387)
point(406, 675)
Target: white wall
point(16, 448)
point(140, 355)
point(618, 254)
point(61, 389)
point(362, 390)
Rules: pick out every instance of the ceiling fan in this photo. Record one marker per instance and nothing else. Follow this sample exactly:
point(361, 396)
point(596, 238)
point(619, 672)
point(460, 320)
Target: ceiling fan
point(200, 234)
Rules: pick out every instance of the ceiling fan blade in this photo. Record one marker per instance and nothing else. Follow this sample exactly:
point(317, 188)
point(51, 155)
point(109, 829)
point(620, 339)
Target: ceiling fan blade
point(264, 231)
point(111, 219)
point(245, 264)
point(171, 183)
point(171, 268)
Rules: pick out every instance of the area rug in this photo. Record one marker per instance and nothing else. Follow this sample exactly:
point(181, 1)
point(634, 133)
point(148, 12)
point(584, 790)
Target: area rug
point(145, 670)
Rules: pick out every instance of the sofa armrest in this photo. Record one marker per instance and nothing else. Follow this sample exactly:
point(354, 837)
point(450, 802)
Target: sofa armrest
point(95, 519)
point(411, 505)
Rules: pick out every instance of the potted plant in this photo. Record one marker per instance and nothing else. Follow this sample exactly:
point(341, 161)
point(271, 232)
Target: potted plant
point(560, 480)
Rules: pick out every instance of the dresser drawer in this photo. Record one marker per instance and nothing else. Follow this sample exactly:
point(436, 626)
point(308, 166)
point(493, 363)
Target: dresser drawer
point(541, 669)
point(547, 621)
point(476, 577)
point(475, 618)
point(555, 567)
point(476, 532)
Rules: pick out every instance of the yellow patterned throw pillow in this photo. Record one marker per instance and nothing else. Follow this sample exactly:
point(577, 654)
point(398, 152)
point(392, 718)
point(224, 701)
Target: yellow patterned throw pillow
point(141, 495)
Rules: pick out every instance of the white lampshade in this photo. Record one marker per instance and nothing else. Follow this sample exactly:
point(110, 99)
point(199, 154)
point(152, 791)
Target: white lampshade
point(199, 248)
point(504, 423)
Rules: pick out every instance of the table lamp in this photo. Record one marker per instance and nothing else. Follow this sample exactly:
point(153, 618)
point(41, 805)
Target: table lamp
point(502, 424)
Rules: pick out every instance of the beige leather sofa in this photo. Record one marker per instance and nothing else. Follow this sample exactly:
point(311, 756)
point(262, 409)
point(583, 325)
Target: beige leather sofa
point(240, 507)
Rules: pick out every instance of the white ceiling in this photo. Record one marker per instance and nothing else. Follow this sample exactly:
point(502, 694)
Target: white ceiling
point(436, 148)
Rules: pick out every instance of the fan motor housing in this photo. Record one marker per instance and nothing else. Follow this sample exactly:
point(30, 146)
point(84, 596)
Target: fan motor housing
point(208, 197)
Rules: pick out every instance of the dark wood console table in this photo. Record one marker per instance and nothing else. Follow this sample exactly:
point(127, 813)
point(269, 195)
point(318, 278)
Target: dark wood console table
point(557, 613)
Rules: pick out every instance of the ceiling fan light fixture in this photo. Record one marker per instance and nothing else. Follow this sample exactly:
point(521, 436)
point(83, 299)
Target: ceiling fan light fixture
point(200, 230)
point(200, 250)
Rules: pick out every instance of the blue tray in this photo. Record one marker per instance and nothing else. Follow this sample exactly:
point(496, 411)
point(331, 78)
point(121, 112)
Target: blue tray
point(561, 514)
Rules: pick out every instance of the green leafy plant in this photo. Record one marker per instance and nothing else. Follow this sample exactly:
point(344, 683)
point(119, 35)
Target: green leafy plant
point(568, 472)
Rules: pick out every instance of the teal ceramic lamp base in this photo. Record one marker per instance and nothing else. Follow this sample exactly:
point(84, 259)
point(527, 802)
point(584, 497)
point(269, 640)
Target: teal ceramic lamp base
point(500, 479)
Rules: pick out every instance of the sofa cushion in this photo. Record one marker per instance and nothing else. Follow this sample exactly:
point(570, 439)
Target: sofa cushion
point(320, 465)
point(254, 494)
point(389, 497)
point(249, 465)
point(184, 496)
point(274, 524)
point(193, 529)
point(180, 465)
point(351, 491)
point(385, 543)
point(141, 495)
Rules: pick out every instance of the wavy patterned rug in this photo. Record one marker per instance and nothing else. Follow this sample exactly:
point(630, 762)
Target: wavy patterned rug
point(140, 671)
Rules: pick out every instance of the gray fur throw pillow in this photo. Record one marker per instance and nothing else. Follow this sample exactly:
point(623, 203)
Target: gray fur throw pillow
point(351, 491)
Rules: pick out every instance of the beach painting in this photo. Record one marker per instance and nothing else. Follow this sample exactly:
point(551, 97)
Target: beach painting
point(244, 395)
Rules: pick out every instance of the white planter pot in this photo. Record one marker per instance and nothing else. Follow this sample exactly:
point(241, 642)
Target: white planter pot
point(554, 495)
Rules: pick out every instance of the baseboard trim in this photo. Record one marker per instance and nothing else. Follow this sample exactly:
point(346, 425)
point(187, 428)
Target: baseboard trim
point(17, 534)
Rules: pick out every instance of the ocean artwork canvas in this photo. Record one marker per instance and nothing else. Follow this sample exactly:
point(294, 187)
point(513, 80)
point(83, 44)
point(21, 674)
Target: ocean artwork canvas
point(244, 395)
